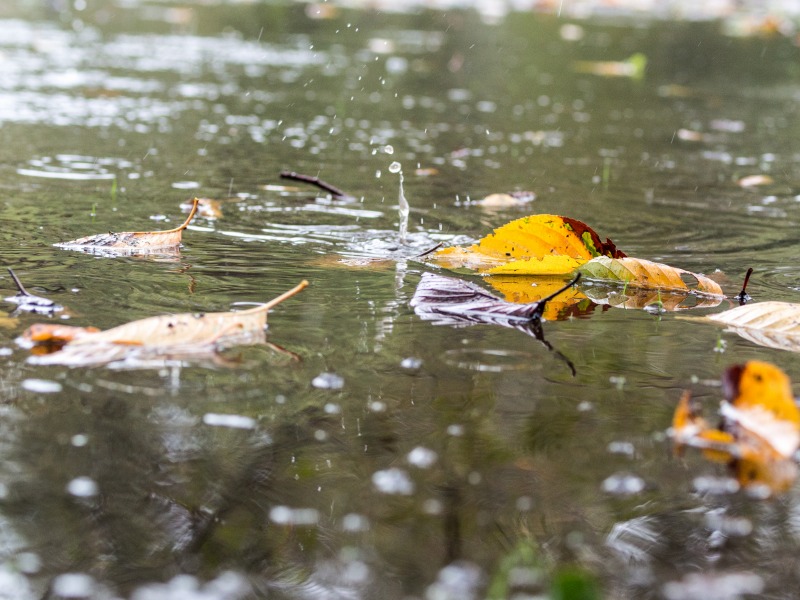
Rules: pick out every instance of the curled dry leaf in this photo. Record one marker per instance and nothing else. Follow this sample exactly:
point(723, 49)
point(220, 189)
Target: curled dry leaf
point(760, 427)
point(533, 245)
point(637, 272)
point(182, 334)
point(132, 242)
point(771, 324)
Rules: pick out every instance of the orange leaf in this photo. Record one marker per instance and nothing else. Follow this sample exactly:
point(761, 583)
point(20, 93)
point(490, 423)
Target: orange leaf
point(760, 430)
point(759, 399)
point(132, 241)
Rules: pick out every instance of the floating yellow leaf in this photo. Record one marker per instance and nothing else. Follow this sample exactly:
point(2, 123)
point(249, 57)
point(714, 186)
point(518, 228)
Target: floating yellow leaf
point(534, 245)
point(637, 272)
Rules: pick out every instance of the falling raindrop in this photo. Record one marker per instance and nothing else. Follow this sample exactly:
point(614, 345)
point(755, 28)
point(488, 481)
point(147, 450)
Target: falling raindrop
point(395, 167)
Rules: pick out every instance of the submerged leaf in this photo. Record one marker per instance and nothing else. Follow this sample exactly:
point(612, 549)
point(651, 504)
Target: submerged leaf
point(451, 301)
point(637, 272)
point(180, 334)
point(533, 245)
point(132, 242)
point(524, 289)
point(760, 429)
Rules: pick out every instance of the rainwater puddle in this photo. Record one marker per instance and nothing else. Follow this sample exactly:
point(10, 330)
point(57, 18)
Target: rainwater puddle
point(354, 448)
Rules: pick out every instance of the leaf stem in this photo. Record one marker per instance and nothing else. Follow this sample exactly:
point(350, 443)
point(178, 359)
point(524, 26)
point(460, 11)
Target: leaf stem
point(275, 301)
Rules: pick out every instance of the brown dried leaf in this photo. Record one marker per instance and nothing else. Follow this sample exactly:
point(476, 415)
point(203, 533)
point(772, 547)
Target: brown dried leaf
point(181, 334)
point(132, 242)
point(771, 324)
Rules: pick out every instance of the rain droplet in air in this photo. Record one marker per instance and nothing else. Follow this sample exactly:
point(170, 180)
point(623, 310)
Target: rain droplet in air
point(395, 167)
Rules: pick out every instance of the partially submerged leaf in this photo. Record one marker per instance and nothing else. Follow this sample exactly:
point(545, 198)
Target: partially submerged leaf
point(131, 242)
point(180, 334)
point(524, 289)
point(533, 245)
point(772, 324)
point(451, 301)
point(760, 429)
point(637, 272)
point(28, 302)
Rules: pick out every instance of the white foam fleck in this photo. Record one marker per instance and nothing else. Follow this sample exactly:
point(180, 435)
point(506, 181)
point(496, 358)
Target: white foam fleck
point(233, 421)
point(42, 386)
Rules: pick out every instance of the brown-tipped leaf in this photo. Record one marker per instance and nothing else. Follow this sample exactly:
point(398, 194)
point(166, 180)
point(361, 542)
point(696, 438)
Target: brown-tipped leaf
point(132, 242)
point(163, 335)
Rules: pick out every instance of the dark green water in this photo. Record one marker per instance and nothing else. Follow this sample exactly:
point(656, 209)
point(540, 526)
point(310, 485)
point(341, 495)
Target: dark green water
point(439, 462)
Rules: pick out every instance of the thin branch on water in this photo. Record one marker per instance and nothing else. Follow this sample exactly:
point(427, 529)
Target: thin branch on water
point(315, 181)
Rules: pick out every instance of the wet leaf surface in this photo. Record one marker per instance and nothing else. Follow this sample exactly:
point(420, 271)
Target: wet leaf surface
point(132, 242)
point(180, 336)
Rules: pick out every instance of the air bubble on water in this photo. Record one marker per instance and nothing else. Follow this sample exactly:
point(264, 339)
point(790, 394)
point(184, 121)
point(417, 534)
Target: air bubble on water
point(395, 167)
point(422, 458)
point(354, 522)
point(83, 487)
point(623, 484)
point(41, 386)
point(393, 481)
point(328, 381)
point(73, 585)
point(411, 363)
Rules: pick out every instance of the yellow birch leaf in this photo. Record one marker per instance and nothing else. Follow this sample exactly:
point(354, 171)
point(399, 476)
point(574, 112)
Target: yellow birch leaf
point(546, 265)
point(537, 244)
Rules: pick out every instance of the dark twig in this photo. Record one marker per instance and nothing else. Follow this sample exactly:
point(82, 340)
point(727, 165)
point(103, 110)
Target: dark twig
point(316, 181)
point(429, 250)
point(743, 297)
point(18, 283)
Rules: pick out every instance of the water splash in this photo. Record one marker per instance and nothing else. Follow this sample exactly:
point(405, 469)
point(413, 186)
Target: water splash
point(403, 208)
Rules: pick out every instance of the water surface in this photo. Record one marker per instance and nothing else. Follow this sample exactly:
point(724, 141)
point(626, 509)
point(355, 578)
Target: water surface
point(367, 453)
